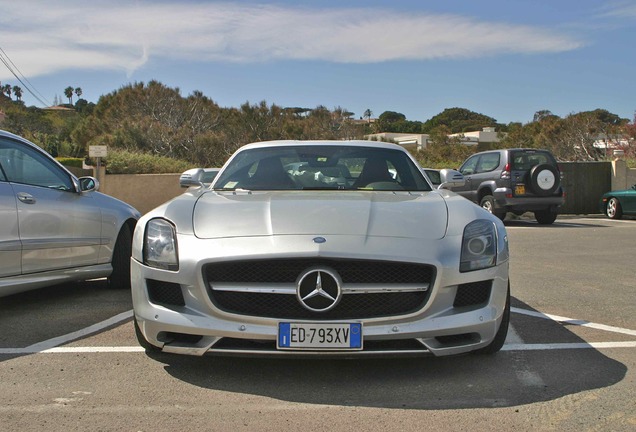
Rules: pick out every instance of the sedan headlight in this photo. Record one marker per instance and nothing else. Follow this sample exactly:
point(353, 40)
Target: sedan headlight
point(479, 246)
point(160, 245)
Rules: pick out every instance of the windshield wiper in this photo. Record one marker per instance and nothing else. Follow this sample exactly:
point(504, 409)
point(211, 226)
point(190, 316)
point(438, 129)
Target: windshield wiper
point(324, 188)
point(238, 189)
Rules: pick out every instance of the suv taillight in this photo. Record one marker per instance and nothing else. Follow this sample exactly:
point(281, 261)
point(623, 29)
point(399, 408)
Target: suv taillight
point(505, 174)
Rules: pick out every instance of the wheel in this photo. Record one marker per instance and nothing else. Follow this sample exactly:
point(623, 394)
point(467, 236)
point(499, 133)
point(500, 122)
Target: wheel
point(120, 277)
point(613, 209)
point(142, 340)
point(545, 217)
point(502, 333)
point(544, 179)
point(488, 204)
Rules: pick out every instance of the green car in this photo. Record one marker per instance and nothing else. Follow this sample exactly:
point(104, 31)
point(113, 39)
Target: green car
point(615, 204)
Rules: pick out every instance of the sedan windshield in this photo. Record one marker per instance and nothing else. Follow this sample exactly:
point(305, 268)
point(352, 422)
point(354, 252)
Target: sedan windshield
point(321, 167)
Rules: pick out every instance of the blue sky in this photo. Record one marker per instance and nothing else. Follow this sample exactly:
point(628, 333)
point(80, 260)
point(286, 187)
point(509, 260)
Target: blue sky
point(504, 58)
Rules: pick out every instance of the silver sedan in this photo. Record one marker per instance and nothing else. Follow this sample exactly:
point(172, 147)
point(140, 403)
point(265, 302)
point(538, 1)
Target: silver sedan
point(55, 227)
point(321, 248)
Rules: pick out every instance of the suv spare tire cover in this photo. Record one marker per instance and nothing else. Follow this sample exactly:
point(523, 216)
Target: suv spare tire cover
point(544, 179)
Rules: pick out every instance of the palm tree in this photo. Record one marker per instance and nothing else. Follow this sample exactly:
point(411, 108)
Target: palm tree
point(68, 92)
point(78, 92)
point(367, 115)
point(7, 90)
point(17, 91)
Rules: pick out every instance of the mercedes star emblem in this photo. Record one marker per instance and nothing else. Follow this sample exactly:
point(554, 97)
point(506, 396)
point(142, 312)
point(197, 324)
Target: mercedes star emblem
point(319, 289)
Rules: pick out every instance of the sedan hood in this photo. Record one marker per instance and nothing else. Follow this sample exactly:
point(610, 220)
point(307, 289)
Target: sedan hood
point(421, 215)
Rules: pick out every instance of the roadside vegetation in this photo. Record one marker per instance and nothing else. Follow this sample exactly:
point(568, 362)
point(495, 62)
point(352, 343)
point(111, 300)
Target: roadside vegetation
point(152, 128)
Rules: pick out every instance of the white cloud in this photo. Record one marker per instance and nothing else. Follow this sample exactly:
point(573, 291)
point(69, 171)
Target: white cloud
point(620, 9)
point(123, 36)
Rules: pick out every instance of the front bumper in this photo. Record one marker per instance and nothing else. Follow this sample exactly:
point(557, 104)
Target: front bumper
point(440, 327)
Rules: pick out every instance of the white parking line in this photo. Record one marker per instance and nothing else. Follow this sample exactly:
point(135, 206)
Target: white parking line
point(562, 346)
point(535, 225)
point(572, 321)
point(513, 342)
point(48, 345)
point(609, 220)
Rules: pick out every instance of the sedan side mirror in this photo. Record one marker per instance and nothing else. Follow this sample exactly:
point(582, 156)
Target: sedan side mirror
point(450, 179)
point(88, 184)
point(192, 177)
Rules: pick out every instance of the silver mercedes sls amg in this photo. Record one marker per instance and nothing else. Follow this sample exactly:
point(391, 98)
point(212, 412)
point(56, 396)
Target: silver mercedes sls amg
point(314, 248)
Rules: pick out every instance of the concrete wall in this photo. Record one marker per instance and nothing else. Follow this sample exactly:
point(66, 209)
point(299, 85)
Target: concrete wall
point(142, 191)
point(623, 177)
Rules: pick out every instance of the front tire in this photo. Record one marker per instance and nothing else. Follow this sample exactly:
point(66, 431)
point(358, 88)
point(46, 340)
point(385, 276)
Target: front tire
point(142, 340)
point(613, 209)
point(498, 342)
point(120, 277)
point(488, 204)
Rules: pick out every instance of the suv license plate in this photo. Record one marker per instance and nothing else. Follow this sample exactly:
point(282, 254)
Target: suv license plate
point(520, 189)
point(330, 336)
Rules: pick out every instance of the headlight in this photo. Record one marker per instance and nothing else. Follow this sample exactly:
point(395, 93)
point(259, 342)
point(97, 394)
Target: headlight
point(160, 245)
point(479, 246)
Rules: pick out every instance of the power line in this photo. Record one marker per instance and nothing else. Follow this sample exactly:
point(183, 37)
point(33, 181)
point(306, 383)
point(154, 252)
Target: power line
point(13, 68)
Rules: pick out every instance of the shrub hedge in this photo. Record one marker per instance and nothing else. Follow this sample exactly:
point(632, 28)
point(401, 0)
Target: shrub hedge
point(127, 162)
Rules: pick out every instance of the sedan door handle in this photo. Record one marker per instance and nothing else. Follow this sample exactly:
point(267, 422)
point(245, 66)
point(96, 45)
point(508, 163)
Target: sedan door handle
point(26, 198)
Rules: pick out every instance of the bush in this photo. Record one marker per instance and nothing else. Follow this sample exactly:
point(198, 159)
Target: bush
point(126, 162)
point(70, 162)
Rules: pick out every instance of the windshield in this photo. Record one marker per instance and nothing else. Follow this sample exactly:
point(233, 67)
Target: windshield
point(321, 167)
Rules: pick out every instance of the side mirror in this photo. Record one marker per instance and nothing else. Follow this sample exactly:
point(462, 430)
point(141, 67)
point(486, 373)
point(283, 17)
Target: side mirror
point(88, 184)
point(450, 179)
point(192, 177)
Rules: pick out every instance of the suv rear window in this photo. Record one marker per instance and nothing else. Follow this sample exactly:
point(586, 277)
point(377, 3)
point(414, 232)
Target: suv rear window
point(525, 160)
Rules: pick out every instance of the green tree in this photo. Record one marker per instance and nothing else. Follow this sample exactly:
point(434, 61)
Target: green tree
point(17, 91)
point(628, 141)
point(459, 120)
point(605, 117)
point(78, 92)
point(391, 121)
point(367, 115)
point(68, 92)
point(542, 114)
point(444, 150)
point(388, 119)
point(155, 119)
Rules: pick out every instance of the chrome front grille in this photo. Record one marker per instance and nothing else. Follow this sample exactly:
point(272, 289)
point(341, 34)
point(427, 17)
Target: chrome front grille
point(370, 289)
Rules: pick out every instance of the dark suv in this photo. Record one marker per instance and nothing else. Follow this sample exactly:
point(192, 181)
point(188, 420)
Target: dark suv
point(514, 180)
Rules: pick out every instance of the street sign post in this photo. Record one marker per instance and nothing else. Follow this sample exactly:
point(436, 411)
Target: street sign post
point(98, 152)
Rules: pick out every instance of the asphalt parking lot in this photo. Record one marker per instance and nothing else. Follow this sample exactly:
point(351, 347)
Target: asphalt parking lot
point(69, 360)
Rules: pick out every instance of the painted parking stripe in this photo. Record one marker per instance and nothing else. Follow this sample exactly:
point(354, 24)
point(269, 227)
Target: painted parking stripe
point(562, 346)
point(554, 225)
point(45, 346)
point(572, 321)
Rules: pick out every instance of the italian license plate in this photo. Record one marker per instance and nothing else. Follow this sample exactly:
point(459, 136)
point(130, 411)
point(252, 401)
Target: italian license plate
point(330, 336)
point(520, 189)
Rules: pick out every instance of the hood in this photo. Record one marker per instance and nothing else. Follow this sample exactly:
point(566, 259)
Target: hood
point(421, 215)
